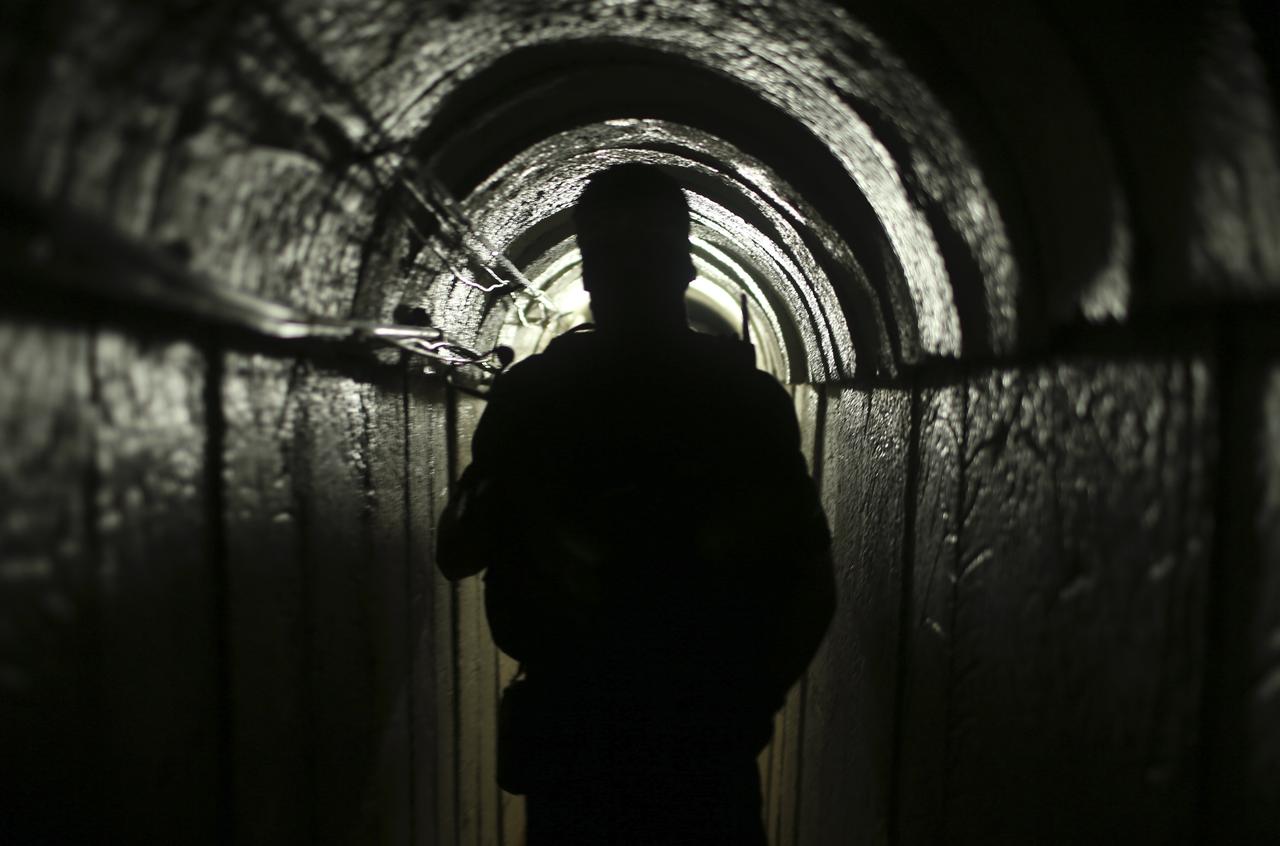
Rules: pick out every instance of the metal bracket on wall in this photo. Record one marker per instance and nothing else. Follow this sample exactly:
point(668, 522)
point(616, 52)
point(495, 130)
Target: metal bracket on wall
point(52, 252)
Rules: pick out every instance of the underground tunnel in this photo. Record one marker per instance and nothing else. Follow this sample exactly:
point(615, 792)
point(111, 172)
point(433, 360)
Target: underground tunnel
point(1017, 265)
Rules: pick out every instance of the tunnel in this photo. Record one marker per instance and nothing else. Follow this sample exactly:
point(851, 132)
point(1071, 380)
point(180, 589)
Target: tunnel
point(1018, 265)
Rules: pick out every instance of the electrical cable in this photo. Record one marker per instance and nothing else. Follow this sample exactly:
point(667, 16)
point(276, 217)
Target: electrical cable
point(76, 253)
point(418, 183)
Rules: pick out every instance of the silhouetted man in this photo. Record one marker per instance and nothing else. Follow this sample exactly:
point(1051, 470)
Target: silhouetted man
point(657, 557)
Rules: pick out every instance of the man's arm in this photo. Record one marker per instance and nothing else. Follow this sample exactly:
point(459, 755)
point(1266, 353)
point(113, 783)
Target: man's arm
point(803, 612)
point(470, 528)
point(806, 599)
point(462, 538)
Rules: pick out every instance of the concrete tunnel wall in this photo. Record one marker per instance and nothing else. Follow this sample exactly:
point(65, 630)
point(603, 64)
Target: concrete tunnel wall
point(1028, 264)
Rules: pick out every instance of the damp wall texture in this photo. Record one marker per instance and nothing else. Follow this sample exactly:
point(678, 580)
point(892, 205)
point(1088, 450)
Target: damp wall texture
point(1057, 549)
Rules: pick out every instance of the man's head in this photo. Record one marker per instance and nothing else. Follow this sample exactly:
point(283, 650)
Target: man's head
point(633, 232)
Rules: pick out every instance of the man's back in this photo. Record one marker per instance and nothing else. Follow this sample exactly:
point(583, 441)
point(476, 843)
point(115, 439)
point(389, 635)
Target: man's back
point(656, 483)
point(656, 507)
point(655, 554)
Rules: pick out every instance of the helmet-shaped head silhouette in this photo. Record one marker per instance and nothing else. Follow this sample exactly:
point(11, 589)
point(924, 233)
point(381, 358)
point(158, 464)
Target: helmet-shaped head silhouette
point(632, 222)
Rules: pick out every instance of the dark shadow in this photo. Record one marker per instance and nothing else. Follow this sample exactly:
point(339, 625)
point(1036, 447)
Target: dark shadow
point(654, 550)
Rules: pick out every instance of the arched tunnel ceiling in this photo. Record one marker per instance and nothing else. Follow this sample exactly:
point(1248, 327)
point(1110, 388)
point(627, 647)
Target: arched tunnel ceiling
point(797, 113)
point(842, 127)
point(913, 243)
point(737, 204)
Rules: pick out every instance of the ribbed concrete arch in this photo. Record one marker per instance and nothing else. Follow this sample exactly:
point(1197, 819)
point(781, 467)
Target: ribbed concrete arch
point(884, 183)
point(736, 202)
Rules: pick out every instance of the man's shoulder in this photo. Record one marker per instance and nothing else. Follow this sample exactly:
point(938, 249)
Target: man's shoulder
point(562, 352)
point(538, 373)
point(577, 341)
point(725, 350)
point(579, 353)
point(736, 360)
